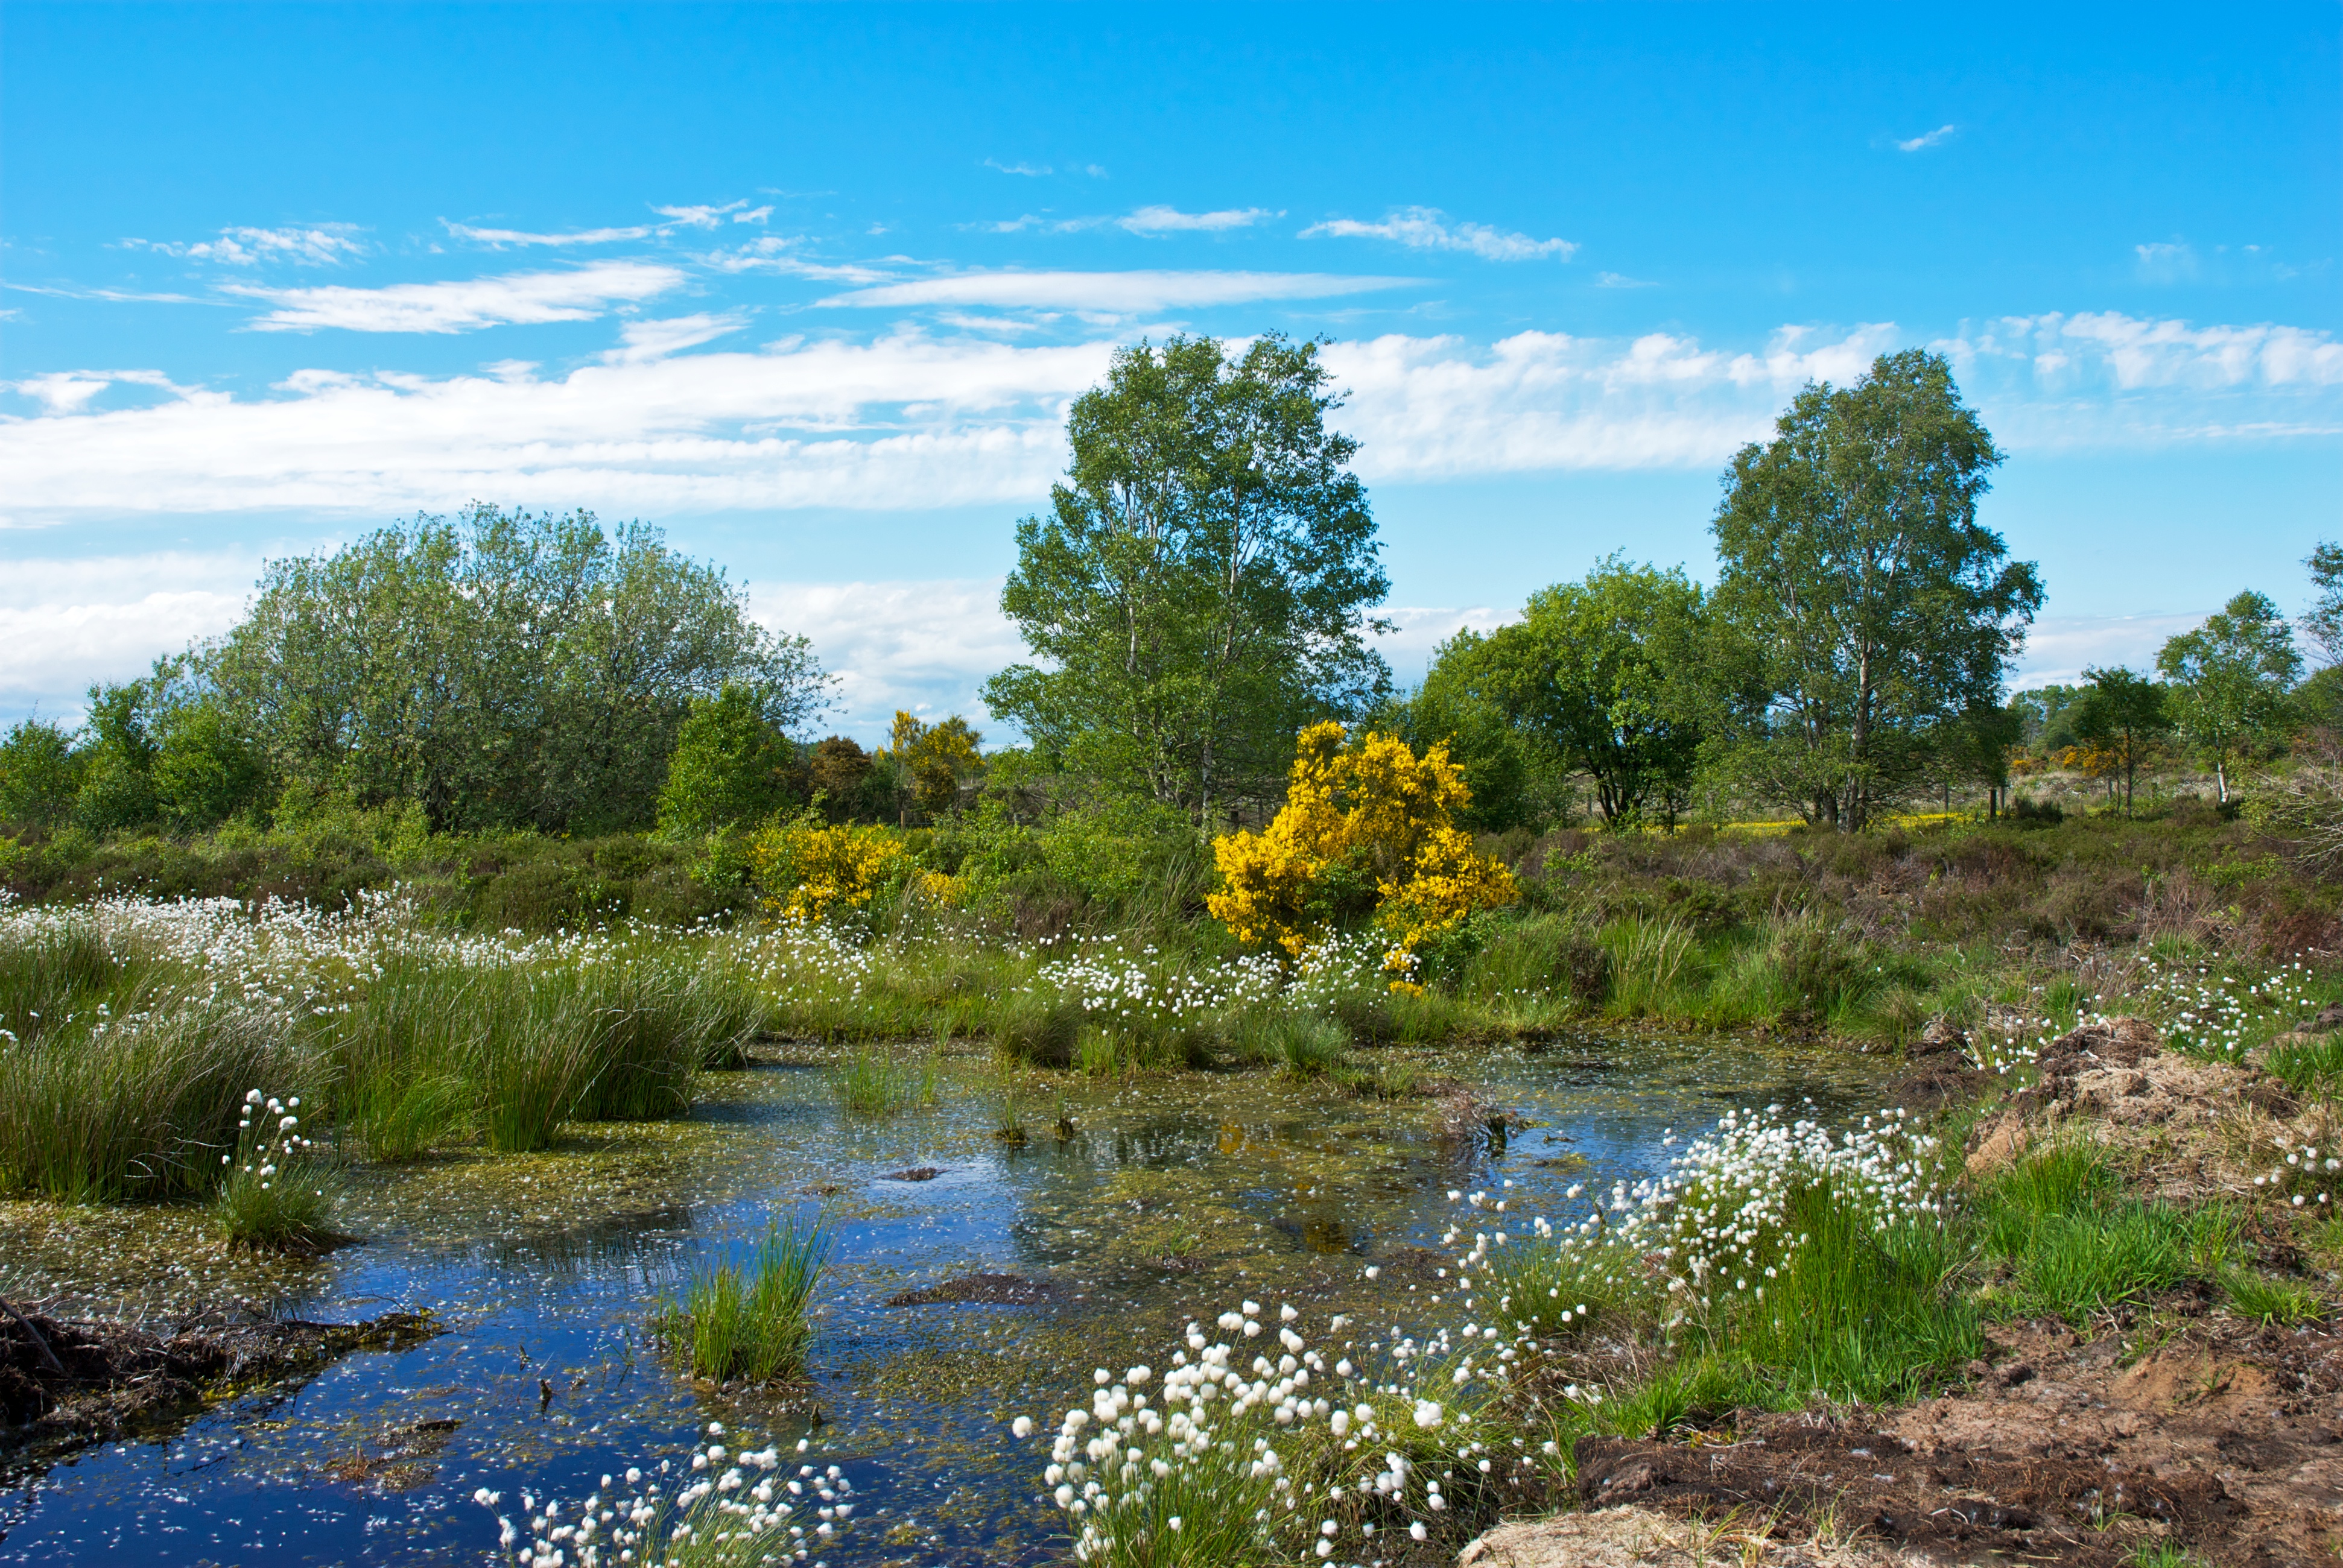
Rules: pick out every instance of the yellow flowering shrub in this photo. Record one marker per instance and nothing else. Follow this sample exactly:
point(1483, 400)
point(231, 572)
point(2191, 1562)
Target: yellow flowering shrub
point(1370, 817)
point(807, 871)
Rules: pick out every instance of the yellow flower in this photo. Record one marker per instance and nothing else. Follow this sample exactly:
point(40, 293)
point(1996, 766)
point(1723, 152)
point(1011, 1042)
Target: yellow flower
point(1378, 802)
point(809, 872)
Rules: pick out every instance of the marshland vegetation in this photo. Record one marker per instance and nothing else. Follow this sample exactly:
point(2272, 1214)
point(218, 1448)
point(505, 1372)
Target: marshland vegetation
point(1335, 1070)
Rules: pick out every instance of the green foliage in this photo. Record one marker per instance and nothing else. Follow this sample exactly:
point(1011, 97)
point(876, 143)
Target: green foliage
point(278, 1192)
point(2231, 678)
point(1605, 675)
point(39, 775)
point(2262, 1299)
point(1861, 606)
point(2074, 1244)
point(206, 769)
point(869, 1082)
point(2124, 713)
point(2324, 620)
point(731, 767)
point(97, 1110)
point(1194, 598)
point(748, 1322)
point(505, 669)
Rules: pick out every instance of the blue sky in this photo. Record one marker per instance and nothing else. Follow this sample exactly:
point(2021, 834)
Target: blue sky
point(811, 287)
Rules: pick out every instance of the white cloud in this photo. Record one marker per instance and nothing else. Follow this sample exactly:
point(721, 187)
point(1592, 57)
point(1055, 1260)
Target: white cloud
point(504, 236)
point(1031, 171)
point(1171, 220)
point(2059, 647)
point(904, 422)
point(2067, 353)
point(66, 623)
point(465, 305)
point(1621, 280)
point(1923, 142)
point(319, 245)
point(113, 296)
point(1113, 291)
point(2166, 262)
point(912, 421)
point(713, 216)
point(771, 252)
point(928, 646)
point(642, 340)
point(1427, 408)
point(1427, 228)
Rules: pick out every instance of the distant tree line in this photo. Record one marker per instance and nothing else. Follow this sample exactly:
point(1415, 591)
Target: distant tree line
point(1201, 590)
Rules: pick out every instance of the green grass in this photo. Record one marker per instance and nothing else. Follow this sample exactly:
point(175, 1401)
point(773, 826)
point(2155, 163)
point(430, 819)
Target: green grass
point(870, 1083)
point(745, 1322)
point(141, 1108)
point(2261, 1300)
point(279, 1191)
point(2073, 1244)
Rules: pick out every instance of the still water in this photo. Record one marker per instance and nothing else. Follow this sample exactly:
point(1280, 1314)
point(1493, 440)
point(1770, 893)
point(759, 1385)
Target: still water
point(1173, 1197)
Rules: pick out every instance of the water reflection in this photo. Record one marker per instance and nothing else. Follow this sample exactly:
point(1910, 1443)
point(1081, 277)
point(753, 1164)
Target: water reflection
point(1173, 1197)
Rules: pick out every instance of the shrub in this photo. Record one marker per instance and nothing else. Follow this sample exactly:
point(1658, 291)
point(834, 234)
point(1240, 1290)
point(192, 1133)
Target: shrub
point(1372, 825)
point(807, 871)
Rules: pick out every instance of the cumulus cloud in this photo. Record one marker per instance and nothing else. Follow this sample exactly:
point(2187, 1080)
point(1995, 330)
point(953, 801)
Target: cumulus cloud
point(1426, 407)
point(2059, 647)
point(2132, 353)
point(464, 305)
point(1923, 142)
point(1428, 228)
point(1171, 220)
point(1123, 292)
point(928, 646)
point(319, 245)
point(66, 623)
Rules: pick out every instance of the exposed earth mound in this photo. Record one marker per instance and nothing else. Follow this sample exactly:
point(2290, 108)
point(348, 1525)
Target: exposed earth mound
point(63, 1381)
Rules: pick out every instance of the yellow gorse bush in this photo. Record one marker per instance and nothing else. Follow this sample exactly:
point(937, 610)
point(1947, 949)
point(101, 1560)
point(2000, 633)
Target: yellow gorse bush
point(807, 871)
point(1374, 810)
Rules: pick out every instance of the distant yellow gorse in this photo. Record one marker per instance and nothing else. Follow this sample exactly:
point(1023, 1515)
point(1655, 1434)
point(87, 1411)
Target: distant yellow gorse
point(1372, 810)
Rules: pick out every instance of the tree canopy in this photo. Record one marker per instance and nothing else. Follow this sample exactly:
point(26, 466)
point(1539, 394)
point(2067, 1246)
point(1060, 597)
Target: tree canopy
point(501, 670)
point(1864, 608)
point(1198, 591)
point(2231, 678)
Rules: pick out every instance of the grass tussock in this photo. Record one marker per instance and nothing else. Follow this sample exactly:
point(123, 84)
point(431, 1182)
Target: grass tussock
point(745, 1321)
point(279, 1189)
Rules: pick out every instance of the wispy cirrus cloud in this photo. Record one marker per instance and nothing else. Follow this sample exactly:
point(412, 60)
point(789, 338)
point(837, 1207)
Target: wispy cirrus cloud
point(464, 305)
point(1621, 280)
point(1119, 292)
point(112, 295)
point(316, 244)
point(777, 254)
point(1030, 171)
point(1171, 220)
point(642, 340)
point(676, 217)
point(1922, 142)
point(2166, 261)
point(505, 236)
point(1429, 229)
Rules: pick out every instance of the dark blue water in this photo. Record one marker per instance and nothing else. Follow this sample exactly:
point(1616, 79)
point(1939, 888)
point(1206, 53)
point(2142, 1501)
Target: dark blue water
point(1175, 1197)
